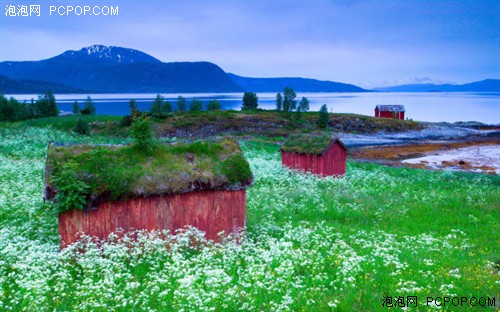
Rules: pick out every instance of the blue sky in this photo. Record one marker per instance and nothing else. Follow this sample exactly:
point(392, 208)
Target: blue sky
point(368, 43)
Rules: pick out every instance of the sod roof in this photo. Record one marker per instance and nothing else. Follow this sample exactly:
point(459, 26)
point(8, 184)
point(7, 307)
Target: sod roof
point(122, 171)
point(316, 143)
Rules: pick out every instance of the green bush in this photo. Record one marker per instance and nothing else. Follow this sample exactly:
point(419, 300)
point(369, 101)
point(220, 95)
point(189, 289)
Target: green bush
point(141, 131)
point(127, 121)
point(81, 127)
point(88, 106)
point(166, 107)
point(72, 192)
point(323, 117)
point(236, 169)
point(213, 105)
point(195, 106)
point(76, 108)
point(181, 104)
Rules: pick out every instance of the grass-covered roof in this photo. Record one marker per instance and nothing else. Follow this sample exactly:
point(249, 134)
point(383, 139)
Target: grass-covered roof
point(93, 173)
point(315, 143)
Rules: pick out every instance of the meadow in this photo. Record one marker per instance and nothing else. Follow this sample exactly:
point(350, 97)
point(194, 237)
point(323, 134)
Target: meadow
point(311, 244)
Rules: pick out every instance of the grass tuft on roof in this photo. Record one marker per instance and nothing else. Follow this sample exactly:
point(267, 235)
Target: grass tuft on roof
point(315, 143)
point(80, 176)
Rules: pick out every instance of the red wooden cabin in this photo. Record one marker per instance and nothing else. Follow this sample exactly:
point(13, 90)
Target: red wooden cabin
point(212, 202)
point(390, 111)
point(318, 154)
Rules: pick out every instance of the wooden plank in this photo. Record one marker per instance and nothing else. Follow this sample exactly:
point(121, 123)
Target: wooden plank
point(210, 211)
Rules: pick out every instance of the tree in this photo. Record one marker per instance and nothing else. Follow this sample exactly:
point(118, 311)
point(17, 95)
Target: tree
point(166, 107)
point(250, 101)
point(76, 108)
point(181, 104)
point(195, 106)
point(279, 102)
point(46, 105)
point(7, 109)
point(134, 110)
point(289, 103)
point(89, 106)
point(141, 131)
point(304, 104)
point(213, 104)
point(157, 105)
point(323, 117)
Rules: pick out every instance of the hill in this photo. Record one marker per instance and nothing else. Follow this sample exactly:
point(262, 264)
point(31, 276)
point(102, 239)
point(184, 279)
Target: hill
point(11, 86)
point(298, 84)
point(120, 70)
point(488, 85)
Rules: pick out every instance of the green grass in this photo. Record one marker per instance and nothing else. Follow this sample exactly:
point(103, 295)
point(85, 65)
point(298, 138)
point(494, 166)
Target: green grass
point(315, 143)
point(312, 244)
point(82, 175)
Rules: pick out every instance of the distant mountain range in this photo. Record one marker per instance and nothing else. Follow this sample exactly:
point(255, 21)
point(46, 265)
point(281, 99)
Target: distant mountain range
point(33, 86)
point(298, 84)
point(103, 69)
point(488, 85)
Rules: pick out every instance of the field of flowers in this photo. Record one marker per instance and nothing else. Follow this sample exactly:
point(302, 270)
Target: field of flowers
point(311, 245)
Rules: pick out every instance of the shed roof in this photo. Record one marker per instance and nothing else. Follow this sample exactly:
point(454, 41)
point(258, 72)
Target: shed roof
point(316, 143)
point(391, 108)
point(115, 172)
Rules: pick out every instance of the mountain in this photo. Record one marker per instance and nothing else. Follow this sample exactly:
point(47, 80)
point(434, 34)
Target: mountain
point(298, 84)
point(488, 85)
point(12, 86)
point(119, 70)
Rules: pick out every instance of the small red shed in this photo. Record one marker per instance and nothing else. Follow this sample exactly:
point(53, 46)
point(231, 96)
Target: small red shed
point(390, 111)
point(99, 190)
point(318, 153)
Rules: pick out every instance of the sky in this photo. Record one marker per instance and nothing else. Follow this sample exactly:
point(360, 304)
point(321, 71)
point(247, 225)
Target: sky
point(367, 43)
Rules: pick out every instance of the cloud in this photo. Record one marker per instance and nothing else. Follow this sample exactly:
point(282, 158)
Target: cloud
point(334, 40)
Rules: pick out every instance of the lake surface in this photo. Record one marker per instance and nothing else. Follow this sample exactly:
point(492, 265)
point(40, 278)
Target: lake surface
point(451, 107)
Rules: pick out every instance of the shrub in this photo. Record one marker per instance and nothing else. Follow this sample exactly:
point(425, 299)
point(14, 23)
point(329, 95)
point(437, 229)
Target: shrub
point(46, 105)
point(195, 106)
point(81, 127)
point(134, 110)
point(166, 107)
point(72, 192)
point(156, 106)
point(323, 117)
point(236, 169)
point(303, 105)
point(213, 105)
point(127, 121)
point(89, 106)
point(76, 108)
point(181, 104)
point(141, 131)
point(85, 111)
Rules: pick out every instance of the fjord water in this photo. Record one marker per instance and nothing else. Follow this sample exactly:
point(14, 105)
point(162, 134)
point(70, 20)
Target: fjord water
point(432, 106)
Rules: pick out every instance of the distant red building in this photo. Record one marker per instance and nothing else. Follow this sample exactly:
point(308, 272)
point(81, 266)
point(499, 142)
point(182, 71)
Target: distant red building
point(390, 111)
point(321, 155)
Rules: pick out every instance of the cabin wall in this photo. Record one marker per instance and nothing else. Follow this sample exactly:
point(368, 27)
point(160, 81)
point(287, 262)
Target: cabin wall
point(399, 115)
point(209, 211)
point(333, 162)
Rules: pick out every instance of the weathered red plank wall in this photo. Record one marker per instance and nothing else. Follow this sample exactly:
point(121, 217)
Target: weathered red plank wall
point(209, 211)
point(399, 115)
point(333, 162)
